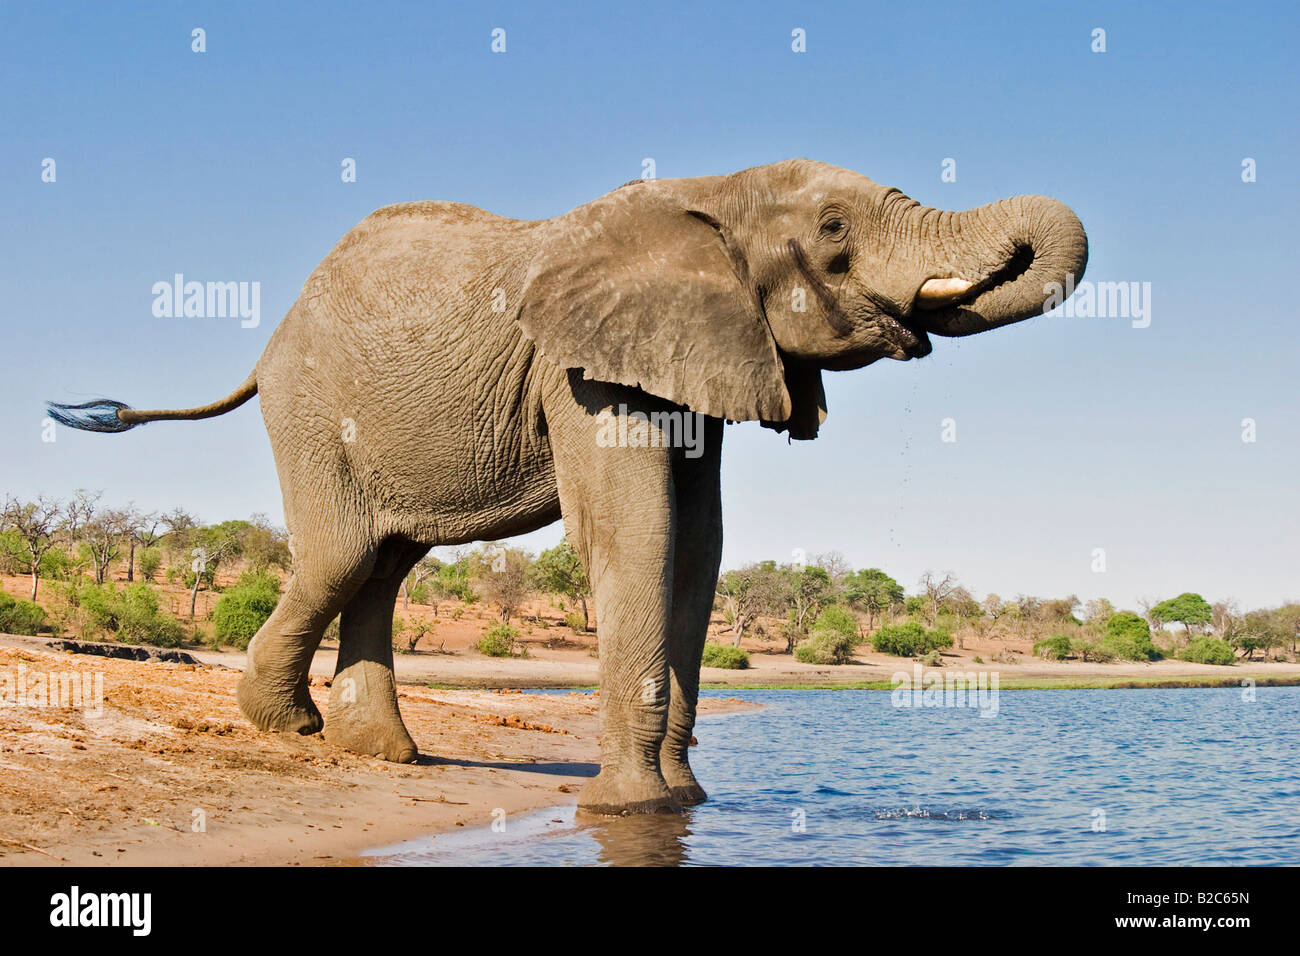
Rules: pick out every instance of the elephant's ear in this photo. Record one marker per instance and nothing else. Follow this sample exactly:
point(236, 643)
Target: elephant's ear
point(638, 289)
point(803, 382)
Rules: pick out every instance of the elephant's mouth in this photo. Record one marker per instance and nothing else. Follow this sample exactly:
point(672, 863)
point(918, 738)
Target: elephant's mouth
point(907, 336)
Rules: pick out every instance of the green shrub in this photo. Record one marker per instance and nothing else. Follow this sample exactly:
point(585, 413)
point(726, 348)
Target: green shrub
point(1129, 637)
point(900, 639)
point(909, 639)
point(130, 615)
point(498, 642)
point(244, 607)
point(724, 655)
point(20, 617)
point(576, 622)
point(825, 646)
point(149, 562)
point(939, 637)
point(932, 659)
point(1093, 651)
point(1054, 648)
point(1203, 650)
point(839, 619)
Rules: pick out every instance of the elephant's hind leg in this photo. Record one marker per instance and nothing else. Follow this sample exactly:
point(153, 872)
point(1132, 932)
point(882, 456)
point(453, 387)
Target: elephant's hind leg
point(273, 693)
point(363, 711)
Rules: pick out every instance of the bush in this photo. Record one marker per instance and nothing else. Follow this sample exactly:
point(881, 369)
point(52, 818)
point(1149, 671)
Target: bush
point(1094, 651)
point(826, 646)
point(1129, 637)
point(899, 639)
point(839, 619)
point(498, 642)
point(932, 659)
point(1055, 648)
point(1207, 650)
point(130, 615)
point(20, 617)
point(724, 655)
point(576, 622)
point(149, 562)
point(244, 608)
point(909, 639)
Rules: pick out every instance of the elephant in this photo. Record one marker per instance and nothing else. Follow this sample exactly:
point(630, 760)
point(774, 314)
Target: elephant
point(445, 375)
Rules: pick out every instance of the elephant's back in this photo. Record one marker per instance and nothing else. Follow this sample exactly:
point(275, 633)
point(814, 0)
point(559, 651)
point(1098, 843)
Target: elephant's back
point(405, 337)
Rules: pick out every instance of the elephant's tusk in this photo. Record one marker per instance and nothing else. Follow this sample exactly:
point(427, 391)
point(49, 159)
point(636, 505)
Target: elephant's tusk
point(936, 293)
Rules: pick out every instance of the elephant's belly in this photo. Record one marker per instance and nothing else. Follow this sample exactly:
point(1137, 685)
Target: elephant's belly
point(456, 482)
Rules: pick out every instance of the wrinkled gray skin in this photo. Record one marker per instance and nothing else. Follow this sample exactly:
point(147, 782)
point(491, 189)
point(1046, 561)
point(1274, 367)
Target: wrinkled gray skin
point(438, 380)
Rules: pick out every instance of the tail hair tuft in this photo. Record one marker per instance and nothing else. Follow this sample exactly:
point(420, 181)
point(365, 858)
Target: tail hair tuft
point(97, 416)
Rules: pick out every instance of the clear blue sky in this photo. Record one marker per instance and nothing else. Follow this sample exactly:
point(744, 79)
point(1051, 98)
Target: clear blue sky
point(1073, 434)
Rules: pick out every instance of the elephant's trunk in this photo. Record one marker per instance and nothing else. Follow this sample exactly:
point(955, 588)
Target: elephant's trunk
point(997, 264)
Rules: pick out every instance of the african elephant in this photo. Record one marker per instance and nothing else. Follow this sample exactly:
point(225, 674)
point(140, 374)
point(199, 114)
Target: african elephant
point(445, 375)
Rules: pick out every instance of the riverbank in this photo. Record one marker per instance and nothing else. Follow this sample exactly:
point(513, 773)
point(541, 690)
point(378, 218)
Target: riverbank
point(575, 667)
point(167, 771)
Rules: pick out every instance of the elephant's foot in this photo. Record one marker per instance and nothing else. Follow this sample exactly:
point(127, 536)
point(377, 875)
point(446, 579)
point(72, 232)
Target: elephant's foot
point(385, 741)
point(685, 789)
point(278, 706)
point(621, 792)
point(364, 717)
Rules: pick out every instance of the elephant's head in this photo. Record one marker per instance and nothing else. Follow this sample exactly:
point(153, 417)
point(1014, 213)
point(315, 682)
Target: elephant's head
point(730, 294)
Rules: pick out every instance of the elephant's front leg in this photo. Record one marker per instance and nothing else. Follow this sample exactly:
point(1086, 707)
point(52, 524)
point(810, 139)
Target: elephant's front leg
point(619, 513)
point(695, 577)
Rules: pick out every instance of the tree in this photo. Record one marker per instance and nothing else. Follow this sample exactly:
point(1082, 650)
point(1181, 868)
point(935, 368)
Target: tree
point(936, 591)
point(502, 574)
point(1096, 613)
point(263, 545)
point(874, 592)
point(209, 546)
point(992, 606)
point(1187, 609)
point(424, 569)
point(962, 605)
point(810, 589)
point(1264, 630)
point(1059, 610)
point(79, 510)
point(104, 536)
point(558, 571)
point(35, 523)
point(746, 593)
point(147, 530)
point(1288, 618)
point(1129, 636)
point(835, 565)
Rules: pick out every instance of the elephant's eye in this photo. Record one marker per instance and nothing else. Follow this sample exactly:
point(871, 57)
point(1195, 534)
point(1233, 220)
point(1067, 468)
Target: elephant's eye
point(833, 227)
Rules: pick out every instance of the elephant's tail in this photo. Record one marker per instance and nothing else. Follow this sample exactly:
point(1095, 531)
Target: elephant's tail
point(106, 415)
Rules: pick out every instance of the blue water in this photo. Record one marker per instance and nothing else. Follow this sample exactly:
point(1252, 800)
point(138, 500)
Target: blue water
point(1078, 777)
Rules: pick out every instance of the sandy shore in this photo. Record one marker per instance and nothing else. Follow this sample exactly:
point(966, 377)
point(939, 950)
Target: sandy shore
point(170, 773)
